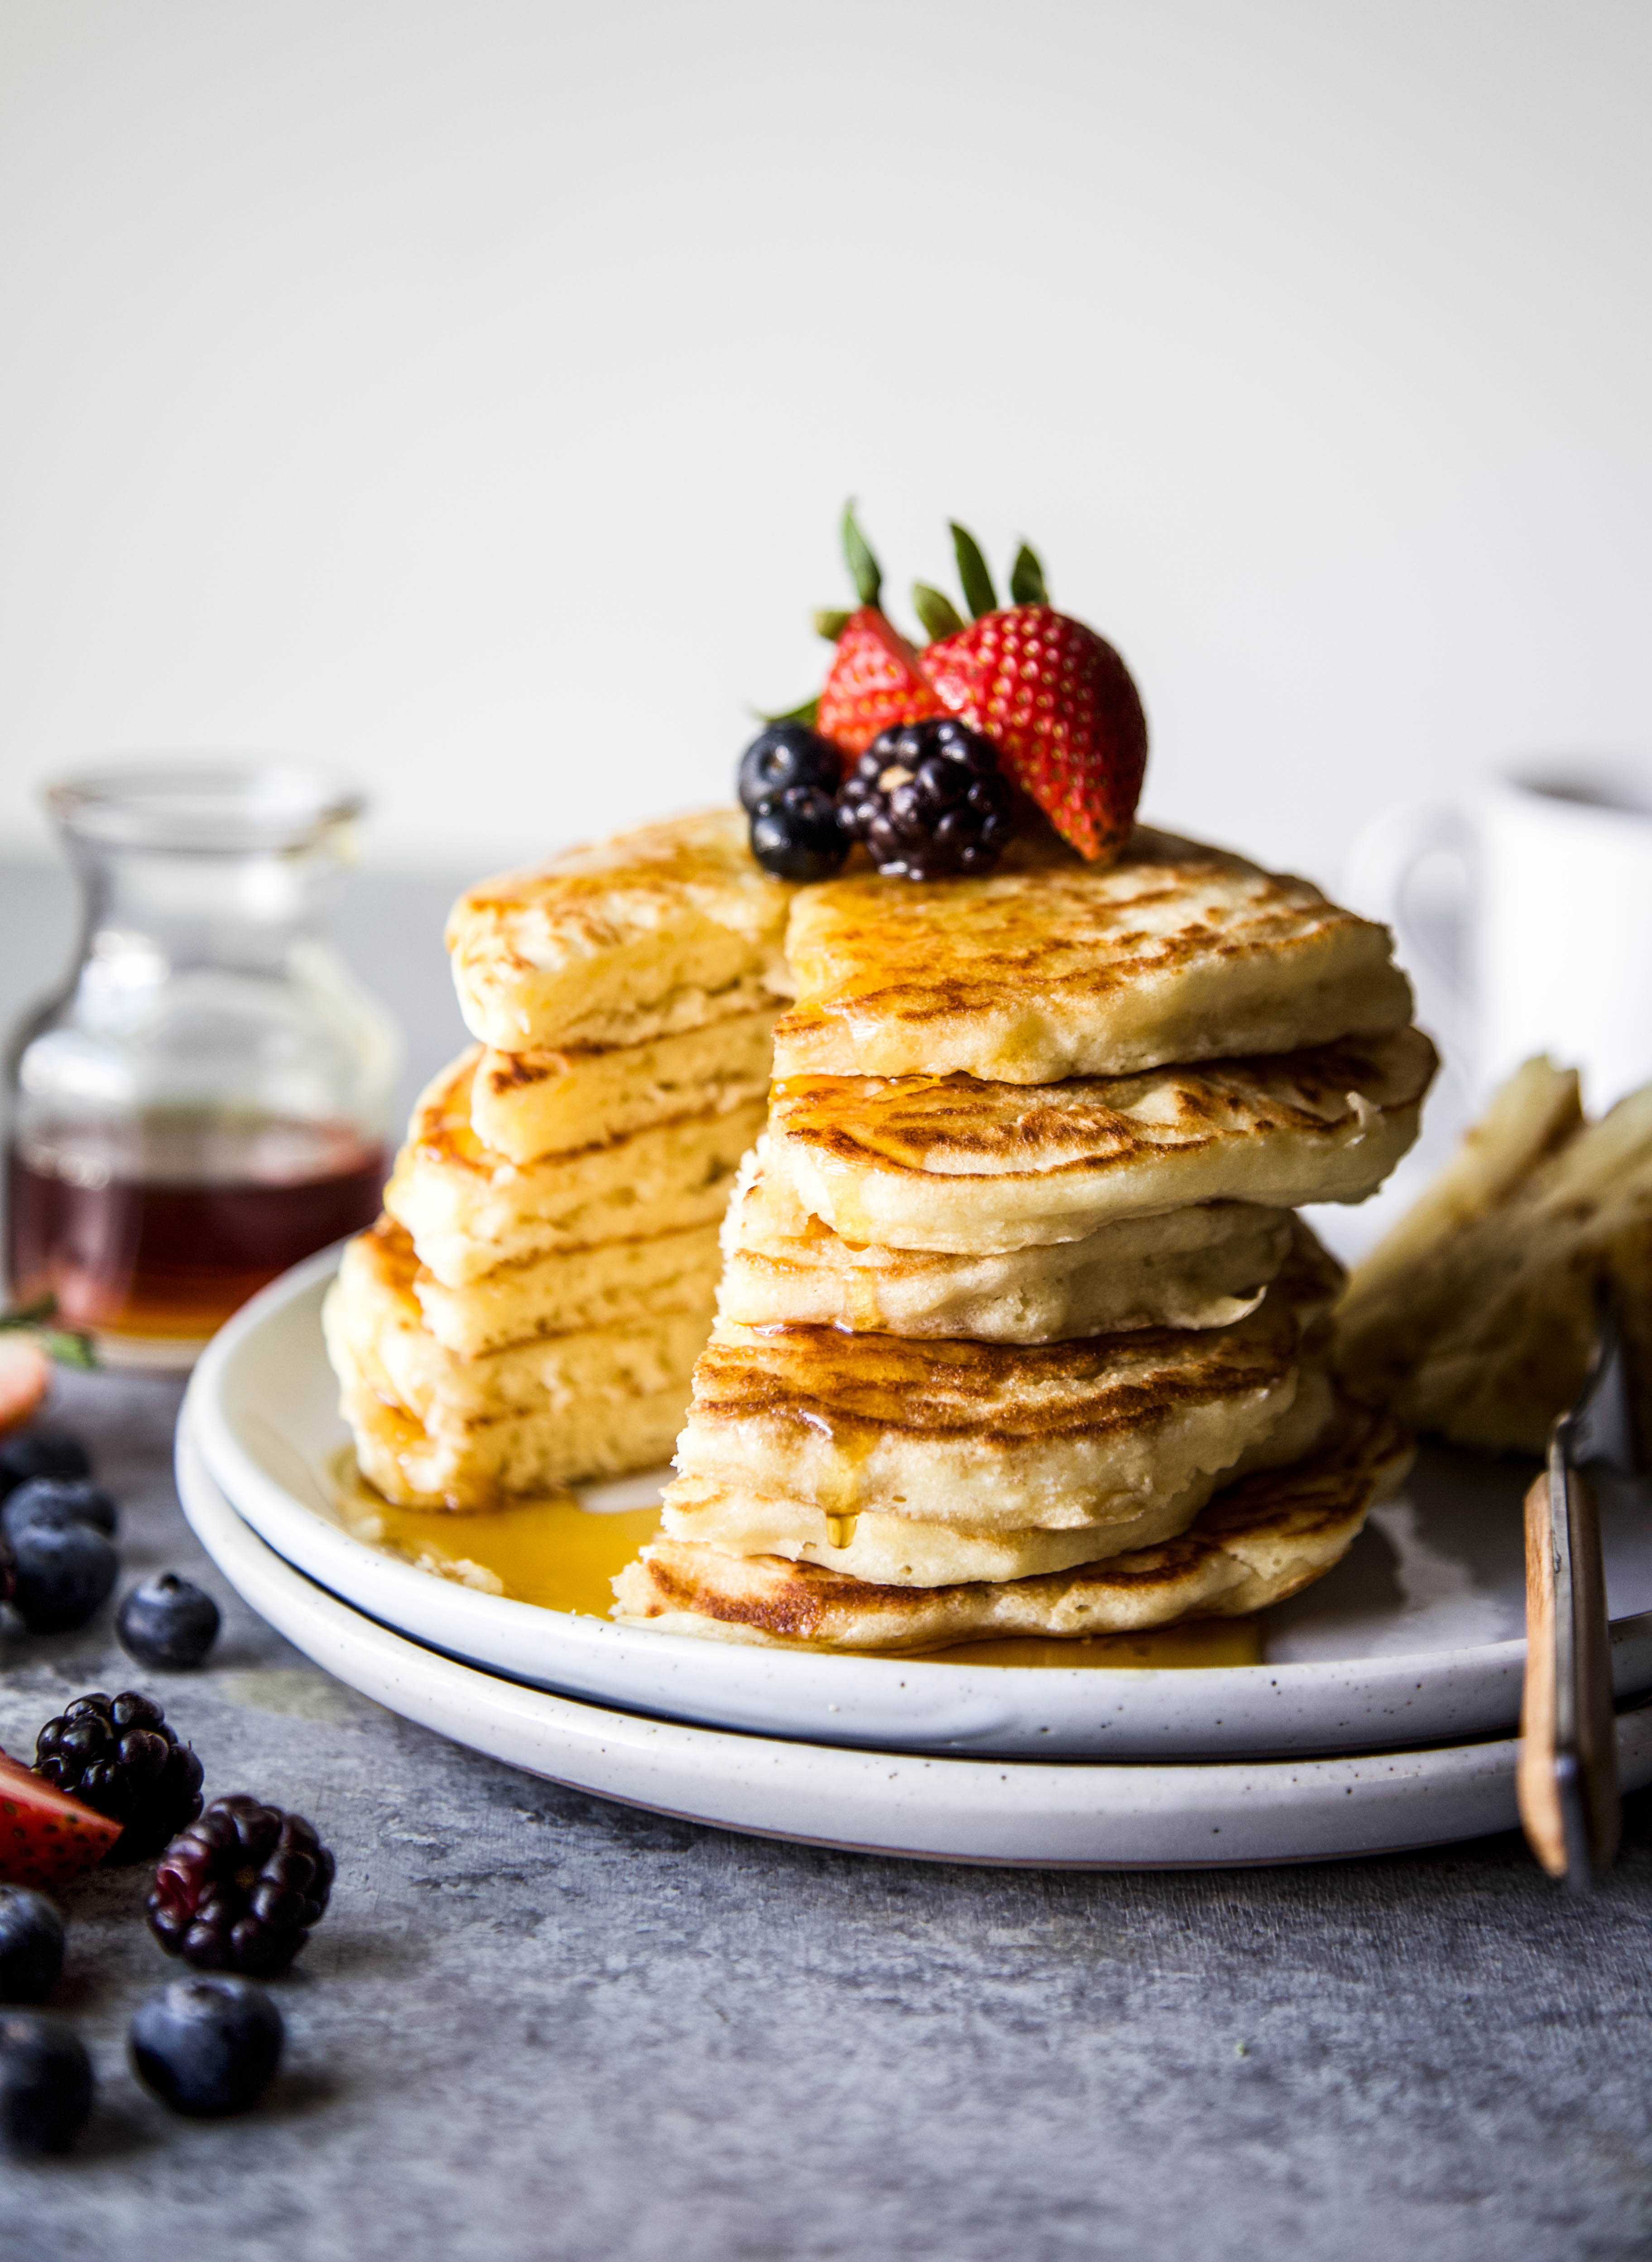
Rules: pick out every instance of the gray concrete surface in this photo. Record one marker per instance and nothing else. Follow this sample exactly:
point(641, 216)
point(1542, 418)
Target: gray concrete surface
point(533, 2024)
point(537, 2026)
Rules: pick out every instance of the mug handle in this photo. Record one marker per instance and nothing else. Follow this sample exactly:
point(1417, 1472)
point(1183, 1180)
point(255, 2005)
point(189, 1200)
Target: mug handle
point(1380, 866)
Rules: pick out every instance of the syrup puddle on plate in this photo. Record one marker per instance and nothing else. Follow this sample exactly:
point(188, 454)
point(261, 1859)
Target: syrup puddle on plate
point(560, 1556)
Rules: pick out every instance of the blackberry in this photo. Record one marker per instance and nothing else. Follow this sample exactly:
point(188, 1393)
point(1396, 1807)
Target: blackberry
point(118, 1756)
point(31, 1945)
point(40, 1453)
point(59, 1501)
point(784, 755)
point(46, 2082)
point(61, 1572)
point(207, 2047)
point(239, 1889)
point(929, 800)
point(796, 834)
point(167, 1623)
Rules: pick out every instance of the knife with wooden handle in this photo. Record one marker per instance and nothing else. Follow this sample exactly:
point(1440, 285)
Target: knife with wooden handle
point(1566, 1776)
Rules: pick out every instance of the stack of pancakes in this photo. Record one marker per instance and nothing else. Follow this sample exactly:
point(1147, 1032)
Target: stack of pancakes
point(528, 1310)
point(1017, 1333)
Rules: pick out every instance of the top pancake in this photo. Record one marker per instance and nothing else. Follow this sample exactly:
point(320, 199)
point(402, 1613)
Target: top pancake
point(665, 928)
point(1052, 967)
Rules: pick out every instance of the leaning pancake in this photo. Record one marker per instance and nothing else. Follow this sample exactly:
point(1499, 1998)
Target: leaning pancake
point(568, 1291)
point(1259, 1541)
point(525, 1104)
point(468, 1430)
point(949, 1163)
point(668, 927)
point(1201, 1267)
point(469, 1210)
point(1053, 968)
point(996, 1437)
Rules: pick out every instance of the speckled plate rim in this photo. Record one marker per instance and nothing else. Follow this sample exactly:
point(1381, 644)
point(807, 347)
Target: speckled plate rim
point(272, 1350)
point(1081, 1814)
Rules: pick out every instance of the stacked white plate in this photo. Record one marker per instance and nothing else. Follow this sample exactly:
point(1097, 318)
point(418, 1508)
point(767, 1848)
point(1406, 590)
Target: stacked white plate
point(1382, 1716)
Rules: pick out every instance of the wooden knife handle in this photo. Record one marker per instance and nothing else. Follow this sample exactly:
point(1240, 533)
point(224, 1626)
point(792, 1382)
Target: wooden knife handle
point(1567, 1782)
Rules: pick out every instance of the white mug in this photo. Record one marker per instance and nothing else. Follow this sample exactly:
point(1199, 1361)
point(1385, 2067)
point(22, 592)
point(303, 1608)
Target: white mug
point(1544, 942)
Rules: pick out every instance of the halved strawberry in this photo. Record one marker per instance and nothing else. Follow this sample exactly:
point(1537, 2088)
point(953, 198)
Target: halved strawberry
point(1060, 706)
point(875, 683)
point(25, 1376)
point(47, 1838)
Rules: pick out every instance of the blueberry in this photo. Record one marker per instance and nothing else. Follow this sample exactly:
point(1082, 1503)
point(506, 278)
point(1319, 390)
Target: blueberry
point(63, 1572)
point(207, 2046)
point(40, 1453)
point(60, 1501)
point(46, 2082)
point(167, 1623)
point(31, 1945)
point(797, 835)
point(786, 754)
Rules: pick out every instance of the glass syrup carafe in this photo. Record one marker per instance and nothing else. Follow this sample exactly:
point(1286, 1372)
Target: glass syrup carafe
point(207, 1099)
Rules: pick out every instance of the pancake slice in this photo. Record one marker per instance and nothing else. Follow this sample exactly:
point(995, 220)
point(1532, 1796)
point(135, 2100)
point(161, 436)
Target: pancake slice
point(469, 1210)
point(669, 927)
point(949, 1164)
point(1053, 968)
point(527, 1104)
point(1261, 1540)
point(566, 1292)
point(1201, 1267)
point(996, 1437)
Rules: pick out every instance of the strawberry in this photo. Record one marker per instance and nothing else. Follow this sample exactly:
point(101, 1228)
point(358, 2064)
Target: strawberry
point(1059, 705)
point(25, 1376)
point(876, 680)
point(47, 1838)
point(874, 683)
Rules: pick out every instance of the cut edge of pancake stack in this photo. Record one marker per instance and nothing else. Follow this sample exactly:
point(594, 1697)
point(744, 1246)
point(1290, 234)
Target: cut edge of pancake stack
point(527, 1313)
point(1018, 1335)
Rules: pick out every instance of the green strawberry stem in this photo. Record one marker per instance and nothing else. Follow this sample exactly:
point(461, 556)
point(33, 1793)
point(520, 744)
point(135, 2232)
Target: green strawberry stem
point(1026, 578)
point(66, 1347)
point(805, 714)
point(971, 571)
point(939, 615)
point(864, 570)
point(828, 622)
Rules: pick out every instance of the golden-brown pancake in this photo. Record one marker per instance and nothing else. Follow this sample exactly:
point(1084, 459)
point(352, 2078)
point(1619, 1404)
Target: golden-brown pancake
point(665, 928)
point(1200, 1267)
point(949, 1163)
point(1053, 968)
point(1262, 1539)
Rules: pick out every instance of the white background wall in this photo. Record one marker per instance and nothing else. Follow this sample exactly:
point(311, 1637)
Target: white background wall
point(464, 393)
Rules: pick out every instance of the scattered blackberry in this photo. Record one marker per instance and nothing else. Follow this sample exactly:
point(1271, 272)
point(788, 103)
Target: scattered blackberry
point(797, 835)
point(118, 1756)
point(61, 1572)
point(929, 799)
point(46, 2082)
point(31, 1945)
point(167, 1623)
point(239, 1889)
point(40, 1453)
point(60, 1501)
point(207, 2047)
point(787, 754)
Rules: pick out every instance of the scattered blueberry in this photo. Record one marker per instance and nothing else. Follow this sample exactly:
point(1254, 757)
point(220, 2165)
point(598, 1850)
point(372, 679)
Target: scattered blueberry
point(167, 1623)
point(786, 754)
point(60, 1501)
point(239, 1889)
point(929, 800)
point(40, 1453)
point(207, 2047)
point(46, 2082)
point(31, 1945)
point(63, 1572)
point(118, 1753)
point(797, 835)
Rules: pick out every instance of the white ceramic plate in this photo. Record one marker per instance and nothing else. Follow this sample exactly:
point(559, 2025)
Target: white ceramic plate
point(1416, 1638)
point(1083, 1815)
